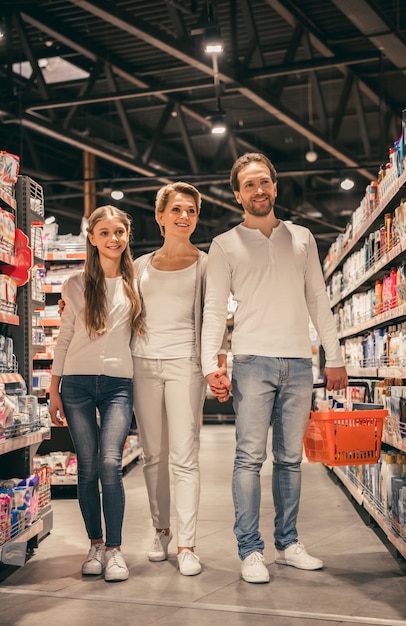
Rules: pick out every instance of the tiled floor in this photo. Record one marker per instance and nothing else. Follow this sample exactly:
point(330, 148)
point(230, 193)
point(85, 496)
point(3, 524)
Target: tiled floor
point(361, 583)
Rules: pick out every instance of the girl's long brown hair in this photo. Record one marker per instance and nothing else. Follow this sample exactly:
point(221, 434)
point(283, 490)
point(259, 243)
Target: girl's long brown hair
point(95, 285)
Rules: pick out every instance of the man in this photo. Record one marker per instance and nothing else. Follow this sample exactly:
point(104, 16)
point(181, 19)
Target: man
point(273, 271)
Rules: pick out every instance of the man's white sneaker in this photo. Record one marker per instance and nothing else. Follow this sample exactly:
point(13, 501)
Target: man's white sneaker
point(115, 568)
point(189, 563)
point(253, 569)
point(94, 564)
point(296, 555)
point(159, 548)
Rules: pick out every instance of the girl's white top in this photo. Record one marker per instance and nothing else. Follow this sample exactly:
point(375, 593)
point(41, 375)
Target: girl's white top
point(108, 354)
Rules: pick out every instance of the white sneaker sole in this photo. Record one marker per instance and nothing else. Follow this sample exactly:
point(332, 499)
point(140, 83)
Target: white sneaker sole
point(248, 579)
point(115, 578)
point(308, 568)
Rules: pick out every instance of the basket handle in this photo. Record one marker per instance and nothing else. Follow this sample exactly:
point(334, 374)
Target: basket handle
point(351, 383)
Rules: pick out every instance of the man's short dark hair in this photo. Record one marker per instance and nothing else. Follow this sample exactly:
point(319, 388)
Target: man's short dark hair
point(242, 161)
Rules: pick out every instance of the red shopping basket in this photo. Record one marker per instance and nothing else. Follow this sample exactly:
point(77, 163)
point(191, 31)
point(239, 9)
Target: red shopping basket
point(344, 437)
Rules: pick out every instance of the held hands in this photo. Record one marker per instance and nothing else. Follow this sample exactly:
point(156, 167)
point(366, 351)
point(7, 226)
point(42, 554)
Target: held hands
point(219, 384)
point(335, 378)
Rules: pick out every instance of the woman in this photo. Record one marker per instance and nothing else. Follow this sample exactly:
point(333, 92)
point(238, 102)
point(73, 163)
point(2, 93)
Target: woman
point(169, 387)
point(92, 372)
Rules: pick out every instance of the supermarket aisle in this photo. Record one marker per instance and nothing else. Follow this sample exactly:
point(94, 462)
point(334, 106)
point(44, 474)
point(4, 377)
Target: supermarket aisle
point(361, 582)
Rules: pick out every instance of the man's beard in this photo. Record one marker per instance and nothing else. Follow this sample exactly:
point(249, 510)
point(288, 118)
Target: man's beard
point(260, 211)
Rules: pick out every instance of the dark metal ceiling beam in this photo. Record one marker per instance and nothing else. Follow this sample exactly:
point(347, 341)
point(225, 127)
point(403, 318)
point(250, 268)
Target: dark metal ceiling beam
point(254, 54)
point(315, 92)
point(293, 17)
point(111, 81)
point(36, 75)
point(135, 26)
point(291, 51)
point(365, 15)
point(69, 38)
point(186, 139)
point(112, 97)
point(342, 104)
point(125, 21)
point(85, 89)
point(311, 65)
point(163, 120)
point(119, 157)
point(362, 121)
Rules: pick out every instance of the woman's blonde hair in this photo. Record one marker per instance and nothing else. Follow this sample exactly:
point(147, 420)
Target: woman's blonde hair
point(163, 194)
point(95, 284)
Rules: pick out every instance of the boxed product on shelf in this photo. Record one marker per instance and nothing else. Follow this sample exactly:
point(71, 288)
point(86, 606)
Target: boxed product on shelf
point(9, 169)
point(5, 517)
point(20, 504)
point(57, 274)
point(44, 486)
point(65, 244)
point(7, 232)
point(59, 463)
point(7, 410)
point(8, 294)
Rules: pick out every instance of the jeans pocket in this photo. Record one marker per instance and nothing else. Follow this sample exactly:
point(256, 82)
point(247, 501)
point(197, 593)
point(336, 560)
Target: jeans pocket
point(244, 358)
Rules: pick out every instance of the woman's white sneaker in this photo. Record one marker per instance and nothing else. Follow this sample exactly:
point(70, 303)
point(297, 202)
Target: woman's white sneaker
point(94, 564)
point(115, 568)
point(189, 563)
point(159, 548)
point(296, 555)
point(253, 569)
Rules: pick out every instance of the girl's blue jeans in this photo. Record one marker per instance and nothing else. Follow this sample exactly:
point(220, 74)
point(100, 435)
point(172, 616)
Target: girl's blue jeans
point(98, 411)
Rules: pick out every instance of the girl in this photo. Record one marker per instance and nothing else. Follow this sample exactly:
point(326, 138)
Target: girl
point(92, 372)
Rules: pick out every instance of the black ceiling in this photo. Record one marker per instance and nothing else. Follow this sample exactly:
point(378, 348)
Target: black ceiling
point(327, 73)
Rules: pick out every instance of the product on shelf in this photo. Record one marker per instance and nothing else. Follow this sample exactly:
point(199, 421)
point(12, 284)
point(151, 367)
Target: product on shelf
point(9, 169)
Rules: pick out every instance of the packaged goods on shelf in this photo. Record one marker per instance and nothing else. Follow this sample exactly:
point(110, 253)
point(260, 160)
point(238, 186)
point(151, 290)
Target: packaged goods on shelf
point(19, 415)
point(7, 357)
point(9, 169)
point(7, 410)
point(57, 274)
point(19, 505)
point(50, 312)
point(66, 244)
point(7, 232)
point(59, 463)
point(41, 379)
point(8, 294)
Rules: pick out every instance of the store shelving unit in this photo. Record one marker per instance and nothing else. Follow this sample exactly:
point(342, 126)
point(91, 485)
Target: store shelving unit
point(393, 434)
point(16, 453)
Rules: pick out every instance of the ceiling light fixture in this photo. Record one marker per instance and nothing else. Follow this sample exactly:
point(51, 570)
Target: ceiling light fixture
point(347, 184)
point(213, 43)
point(311, 155)
point(218, 125)
point(117, 194)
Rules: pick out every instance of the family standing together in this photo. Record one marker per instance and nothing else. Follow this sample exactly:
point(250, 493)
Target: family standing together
point(119, 351)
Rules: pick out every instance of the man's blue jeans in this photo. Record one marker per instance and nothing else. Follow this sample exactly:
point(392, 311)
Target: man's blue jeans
point(99, 450)
point(269, 391)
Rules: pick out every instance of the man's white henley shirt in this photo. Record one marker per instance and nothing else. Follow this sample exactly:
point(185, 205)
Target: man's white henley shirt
point(277, 283)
